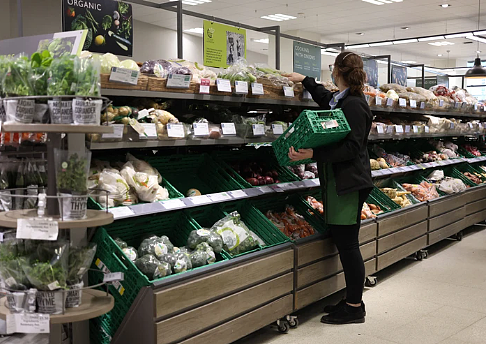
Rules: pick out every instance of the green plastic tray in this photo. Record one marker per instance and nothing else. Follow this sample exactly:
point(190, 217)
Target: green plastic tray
point(471, 169)
point(310, 130)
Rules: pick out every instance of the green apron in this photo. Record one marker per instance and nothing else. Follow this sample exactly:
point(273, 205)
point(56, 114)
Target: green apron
point(338, 210)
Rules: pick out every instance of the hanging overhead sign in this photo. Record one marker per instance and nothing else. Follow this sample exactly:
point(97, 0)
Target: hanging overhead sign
point(223, 44)
point(109, 24)
point(370, 67)
point(307, 59)
point(399, 75)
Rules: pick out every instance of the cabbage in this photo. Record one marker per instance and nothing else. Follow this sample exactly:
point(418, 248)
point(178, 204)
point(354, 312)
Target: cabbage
point(129, 64)
point(109, 60)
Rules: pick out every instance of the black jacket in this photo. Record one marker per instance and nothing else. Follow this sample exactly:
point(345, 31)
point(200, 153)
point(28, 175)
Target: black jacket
point(349, 157)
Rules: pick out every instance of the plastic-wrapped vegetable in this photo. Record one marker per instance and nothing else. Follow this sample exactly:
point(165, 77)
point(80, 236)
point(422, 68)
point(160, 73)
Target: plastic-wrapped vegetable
point(203, 235)
point(119, 190)
point(168, 258)
point(130, 252)
point(108, 61)
point(204, 246)
point(161, 68)
point(122, 244)
point(237, 238)
point(80, 259)
point(152, 267)
point(154, 246)
point(129, 64)
point(170, 246)
point(199, 258)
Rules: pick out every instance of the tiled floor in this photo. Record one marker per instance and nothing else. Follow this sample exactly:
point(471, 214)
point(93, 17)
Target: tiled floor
point(439, 300)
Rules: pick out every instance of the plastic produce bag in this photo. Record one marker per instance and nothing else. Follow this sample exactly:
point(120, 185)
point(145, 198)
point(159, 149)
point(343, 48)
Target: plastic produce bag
point(452, 185)
point(204, 246)
point(146, 185)
point(62, 79)
point(160, 68)
point(142, 166)
point(203, 235)
point(155, 246)
point(87, 75)
point(80, 259)
point(107, 61)
point(11, 261)
point(119, 191)
point(237, 238)
point(17, 79)
point(152, 267)
point(436, 176)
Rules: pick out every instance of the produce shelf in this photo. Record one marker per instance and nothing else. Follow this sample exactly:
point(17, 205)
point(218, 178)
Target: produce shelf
point(94, 303)
point(56, 128)
point(94, 218)
point(428, 112)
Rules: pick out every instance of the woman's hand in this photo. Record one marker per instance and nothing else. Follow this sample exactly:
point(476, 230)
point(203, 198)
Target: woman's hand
point(295, 77)
point(302, 154)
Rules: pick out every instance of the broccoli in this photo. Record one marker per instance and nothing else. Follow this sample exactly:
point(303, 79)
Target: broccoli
point(122, 244)
point(130, 252)
point(152, 267)
point(199, 258)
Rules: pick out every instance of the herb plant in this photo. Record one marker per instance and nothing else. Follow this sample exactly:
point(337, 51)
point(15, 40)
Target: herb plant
point(40, 63)
point(87, 73)
point(72, 175)
point(61, 76)
point(16, 81)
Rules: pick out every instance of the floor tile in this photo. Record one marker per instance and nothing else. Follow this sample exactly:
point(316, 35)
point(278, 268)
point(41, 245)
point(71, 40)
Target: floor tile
point(473, 334)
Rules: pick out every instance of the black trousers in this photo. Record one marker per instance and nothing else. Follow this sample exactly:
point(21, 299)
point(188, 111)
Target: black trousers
point(345, 238)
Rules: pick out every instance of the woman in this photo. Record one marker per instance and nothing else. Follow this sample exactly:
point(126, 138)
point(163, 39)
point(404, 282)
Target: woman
point(345, 174)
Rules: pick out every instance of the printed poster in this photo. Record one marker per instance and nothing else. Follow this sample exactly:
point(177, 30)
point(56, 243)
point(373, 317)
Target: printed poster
point(399, 75)
point(307, 60)
point(109, 24)
point(223, 44)
point(370, 67)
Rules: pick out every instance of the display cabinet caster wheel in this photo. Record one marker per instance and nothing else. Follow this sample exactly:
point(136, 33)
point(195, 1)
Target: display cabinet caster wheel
point(371, 281)
point(459, 236)
point(419, 256)
point(294, 323)
point(283, 326)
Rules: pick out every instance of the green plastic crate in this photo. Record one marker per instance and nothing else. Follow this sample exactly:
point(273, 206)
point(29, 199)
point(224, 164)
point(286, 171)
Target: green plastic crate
point(194, 171)
point(301, 207)
point(310, 130)
point(176, 225)
point(471, 169)
point(261, 155)
point(454, 173)
point(396, 184)
point(207, 216)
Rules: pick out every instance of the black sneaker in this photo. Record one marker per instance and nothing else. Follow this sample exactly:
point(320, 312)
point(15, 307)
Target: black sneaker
point(346, 315)
point(341, 304)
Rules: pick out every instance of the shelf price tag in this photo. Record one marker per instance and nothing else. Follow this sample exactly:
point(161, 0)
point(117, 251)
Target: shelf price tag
point(117, 132)
point(289, 91)
point(257, 89)
point(422, 105)
point(413, 103)
point(238, 194)
point(407, 129)
point(241, 87)
point(389, 129)
point(150, 131)
point(258, 129)
point(415, 129)
point(265, 189)
point(380, 129)
point(427, 129)
point(306, 95)
point(27, 323)
point(228, 128)
point(175, 130)
point(277, 129)
point(457, 105)
point(201, 129)
point(204, 87)
point(217, 197)
point(173, 204)
point(399, 129)
point(123, 75)
point(389, 102)
point(378, 101)
point(451, 125)
point(402, 102)
point(198, 200)
point(113, 277)
point(470, 125)
point(121, 212)
point(178, 81)
point(441, 103)
point(37, 229)
point(223, 85)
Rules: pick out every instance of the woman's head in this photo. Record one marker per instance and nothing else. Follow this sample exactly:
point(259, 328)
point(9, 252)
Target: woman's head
point(348, 70)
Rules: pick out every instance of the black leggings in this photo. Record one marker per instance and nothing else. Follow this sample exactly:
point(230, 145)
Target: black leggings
point(346, 239)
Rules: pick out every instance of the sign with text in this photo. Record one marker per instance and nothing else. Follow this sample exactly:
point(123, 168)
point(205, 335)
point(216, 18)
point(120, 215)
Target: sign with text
point(109, 24)
point(370, 67)
point(399, 75)
point(307, 59)
point(223, 44)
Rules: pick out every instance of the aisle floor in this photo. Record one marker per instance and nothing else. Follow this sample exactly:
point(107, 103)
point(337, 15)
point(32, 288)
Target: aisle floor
point(441, 299)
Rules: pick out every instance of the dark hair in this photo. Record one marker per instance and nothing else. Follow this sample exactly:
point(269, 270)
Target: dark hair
point(349, 67)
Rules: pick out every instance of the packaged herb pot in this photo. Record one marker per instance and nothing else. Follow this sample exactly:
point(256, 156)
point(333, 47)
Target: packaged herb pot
point(51, 302)
point(87, 111)
point(22, 302)
point(74, 295)
point(72, 176)
point(61, 111)
point(19, 110)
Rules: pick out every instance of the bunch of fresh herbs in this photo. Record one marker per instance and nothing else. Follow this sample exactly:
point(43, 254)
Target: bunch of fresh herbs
point(72, 175)
point(16, 81)
point(87, 73)
point(62, 76)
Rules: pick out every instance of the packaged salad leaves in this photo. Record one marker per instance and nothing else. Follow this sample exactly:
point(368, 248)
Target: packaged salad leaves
point(62, 78)
point(80, 259)
point(11, 261)
point(87, 75)
point(17, 79)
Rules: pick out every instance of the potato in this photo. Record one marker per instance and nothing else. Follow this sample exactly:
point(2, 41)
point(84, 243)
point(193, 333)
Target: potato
point(109, 109)
point(125, 120)
point(110, 117)
point(124, 111)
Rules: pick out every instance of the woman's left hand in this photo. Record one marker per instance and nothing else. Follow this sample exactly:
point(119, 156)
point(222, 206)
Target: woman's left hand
point(302, 154)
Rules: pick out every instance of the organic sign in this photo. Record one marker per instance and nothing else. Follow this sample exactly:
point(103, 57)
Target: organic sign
point(223, 44)
point(109, 24)
point(371, 69)
point(307, 59)
point(399, 75)
point(429, 82)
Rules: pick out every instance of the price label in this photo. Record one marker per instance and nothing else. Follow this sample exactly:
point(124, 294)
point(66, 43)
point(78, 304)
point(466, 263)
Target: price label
point(150, 131)
point(123, 75)
point(476, 107)
point(27, 323)
point(241, 87)
point(178, 81)
point(257, 89)
point(204, 86)
point(37, 229)
point(413, 103)
point(457, 105)
point(258, 129)
point(113, 277)
point(415, 129)
point(223, 85)
point(389, 102)
point(306, 95)
point(427, 129)
point(399, 129)
point(173, 204)
point(441, 103)
point(389, 129)
point(402, 102)
point(175, 130)
point(451, 125)
point(407, 129)
point(117, 132)
point(228, 128)
point(198, 200)
point(422, 105)
point(470, 125)
point(380, 129)
point(144, 113)
point(218, 197)
point(378, 101)
point(277, 129)
point(1, 236)
point(238, 194)
point(265, 189)
point(201, 129)
point(288, 91)
point(121, 212)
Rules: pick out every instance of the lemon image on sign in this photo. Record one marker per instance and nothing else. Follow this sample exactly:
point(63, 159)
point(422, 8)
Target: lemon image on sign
point(99, 40)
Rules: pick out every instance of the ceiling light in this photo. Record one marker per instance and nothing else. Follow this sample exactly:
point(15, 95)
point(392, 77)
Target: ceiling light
point(358, 46)
point(478, 39)
point(458, 35)
point(409, 62)
point(198, 30)
point(193, 2)
point(477, 71)
point(403, 41)
point(278, 17)
point(440, 44)
point(440, 55)
point(431, 38)
point(445, 5)
point(323, 52)
point(380, 44)
point(374, 2)
point(479, 33)
point(478, 52)
point(262, 40)
point(382, 2)
point(404, 28)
